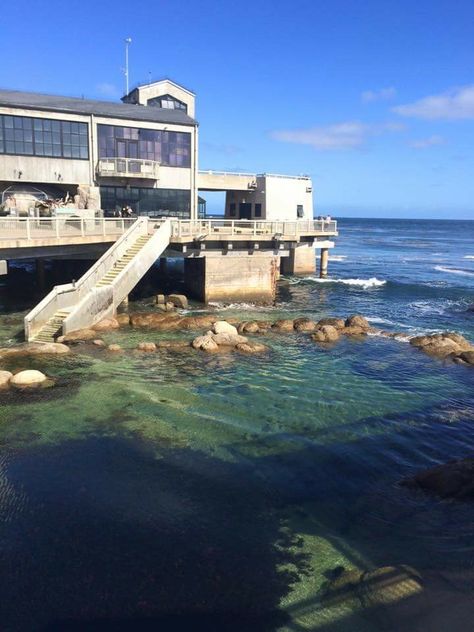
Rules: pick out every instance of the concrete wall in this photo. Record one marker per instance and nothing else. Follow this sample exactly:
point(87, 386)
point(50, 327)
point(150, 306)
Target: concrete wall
point(160, 88)
point(232, 277)
point(279, 197)
point(301, 260)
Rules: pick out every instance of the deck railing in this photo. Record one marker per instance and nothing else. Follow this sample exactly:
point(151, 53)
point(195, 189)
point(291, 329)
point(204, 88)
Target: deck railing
point(32, 228)
point(231, 228)
point(129, 167)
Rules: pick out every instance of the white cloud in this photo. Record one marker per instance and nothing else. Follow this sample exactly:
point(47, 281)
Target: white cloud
point(384, 94)
point(347, 135)
point(457, 103)
point(108, 90)
point(424, 143)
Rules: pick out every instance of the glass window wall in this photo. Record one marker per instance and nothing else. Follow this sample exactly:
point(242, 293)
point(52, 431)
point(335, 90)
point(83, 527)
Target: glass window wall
point(151, 202)
point(27, 136)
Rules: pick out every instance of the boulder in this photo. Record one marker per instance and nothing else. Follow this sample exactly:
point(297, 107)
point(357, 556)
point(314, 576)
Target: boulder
point(443, 345)
point(230, 340)
point(283, 325)
point(114, 348)
point(5, 377)
point(248, 327)
point(106, 324)
point(420, 341)
point(454, 480)
point(123, 319)
point(80, 335)
point(98, 342)
point(146, 346)
point(304, 324)
point(251, 347)
point(35, 348)
point(200, 321)
point(155, 320)
point(338, 323)
point(467, 357)
point(178, 300)
point(205, 343)
point(326, 333)
point(223, 327)
point(29, 378)
point(356, 320)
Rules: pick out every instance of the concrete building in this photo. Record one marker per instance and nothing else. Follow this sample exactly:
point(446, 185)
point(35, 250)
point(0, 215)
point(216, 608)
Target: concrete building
point(65, 163)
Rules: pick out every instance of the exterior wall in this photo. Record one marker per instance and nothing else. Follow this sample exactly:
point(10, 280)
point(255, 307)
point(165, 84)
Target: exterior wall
point(233, 277)
point(63, 171)
point(301, 260)
point(160, 88)
point(279, 197)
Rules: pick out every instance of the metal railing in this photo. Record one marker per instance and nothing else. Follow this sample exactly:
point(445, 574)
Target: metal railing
point(32, 228)
point(128, 167)
point(210, 172)
point(252, 229)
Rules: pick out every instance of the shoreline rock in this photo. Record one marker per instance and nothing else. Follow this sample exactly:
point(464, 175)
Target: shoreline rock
point(453, 480)
point(28, 379)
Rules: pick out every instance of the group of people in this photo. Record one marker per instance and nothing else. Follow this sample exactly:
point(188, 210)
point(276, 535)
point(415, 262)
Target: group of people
point(125, 211)
point(325, 219)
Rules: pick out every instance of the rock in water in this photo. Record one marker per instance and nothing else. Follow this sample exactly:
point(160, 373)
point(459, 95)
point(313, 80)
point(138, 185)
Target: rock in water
point(283, 325)
point(229, 340)
point(5, 377)
point(25, 379)
point(326, 333)
point(114, 348)
point(453, 480)
point(338, 323)
point(123, 319)
point(304, 324)
point(468, 357)
point(106, 324)
point(251, 347)
point(223, 327)
point(356, 320)
point(205, 343)
point(178, 300)
point(146, 346)
point(35, 348)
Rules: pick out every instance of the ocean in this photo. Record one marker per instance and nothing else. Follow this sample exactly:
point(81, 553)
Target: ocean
point(185, 491)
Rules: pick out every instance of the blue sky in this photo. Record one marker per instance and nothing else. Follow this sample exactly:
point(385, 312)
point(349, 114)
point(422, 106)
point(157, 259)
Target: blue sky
point(374, 100)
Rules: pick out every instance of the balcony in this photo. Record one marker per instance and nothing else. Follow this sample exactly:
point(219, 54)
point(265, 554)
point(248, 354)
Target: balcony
point(128, 168)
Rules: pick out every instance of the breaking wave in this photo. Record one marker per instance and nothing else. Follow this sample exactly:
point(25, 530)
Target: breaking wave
point(454, 271)
point(365, 284)
point(468, 256)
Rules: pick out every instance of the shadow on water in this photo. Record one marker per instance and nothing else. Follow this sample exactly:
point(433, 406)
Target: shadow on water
point(108, 533)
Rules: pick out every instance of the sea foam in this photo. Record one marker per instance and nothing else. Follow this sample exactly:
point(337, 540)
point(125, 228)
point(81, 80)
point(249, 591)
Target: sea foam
point(365, 284)
point(454, 271)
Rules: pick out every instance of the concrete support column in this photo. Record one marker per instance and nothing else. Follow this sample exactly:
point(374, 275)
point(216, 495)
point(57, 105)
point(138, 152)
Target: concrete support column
point(233, 277)
point(323, 269)
point(301, 260)
point(40, 279)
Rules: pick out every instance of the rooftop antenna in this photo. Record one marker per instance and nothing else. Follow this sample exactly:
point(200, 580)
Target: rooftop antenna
point(149, 77)
point(128, 41)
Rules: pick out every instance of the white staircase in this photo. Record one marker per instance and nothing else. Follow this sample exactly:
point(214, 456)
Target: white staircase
point(98, 293)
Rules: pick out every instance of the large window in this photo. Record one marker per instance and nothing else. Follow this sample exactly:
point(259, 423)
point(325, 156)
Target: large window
point(27, 136)
point(171, 149)
point(152, 202)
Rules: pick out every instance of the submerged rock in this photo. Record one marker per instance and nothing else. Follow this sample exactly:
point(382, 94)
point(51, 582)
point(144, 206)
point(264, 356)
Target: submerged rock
point(28, 378)
point(467, 357)
point(98, 343)
point(5, 377)
point(114, 348)
point(453, 480)
point(248, 327)
point(251, 347)
point(354, 330)
point(155, 320)
point(35, 348)
point(173, 344)
point(443, 345)
point(223, 327)
point(146, 346)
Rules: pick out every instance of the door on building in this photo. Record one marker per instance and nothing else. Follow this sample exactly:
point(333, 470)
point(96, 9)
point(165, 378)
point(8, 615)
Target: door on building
point(245, 210)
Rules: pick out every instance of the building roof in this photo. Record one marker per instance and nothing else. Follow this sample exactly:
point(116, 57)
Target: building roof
point(129, 111)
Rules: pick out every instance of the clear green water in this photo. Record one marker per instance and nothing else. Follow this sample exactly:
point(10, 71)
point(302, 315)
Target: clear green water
point(191, 491)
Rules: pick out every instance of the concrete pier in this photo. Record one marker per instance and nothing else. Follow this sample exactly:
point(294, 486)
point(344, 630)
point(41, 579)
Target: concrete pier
point(233, 277)
point(323, 267)
point(301, 260)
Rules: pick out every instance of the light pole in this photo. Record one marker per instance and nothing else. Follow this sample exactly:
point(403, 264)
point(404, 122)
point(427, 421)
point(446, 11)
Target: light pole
point(128, 41)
